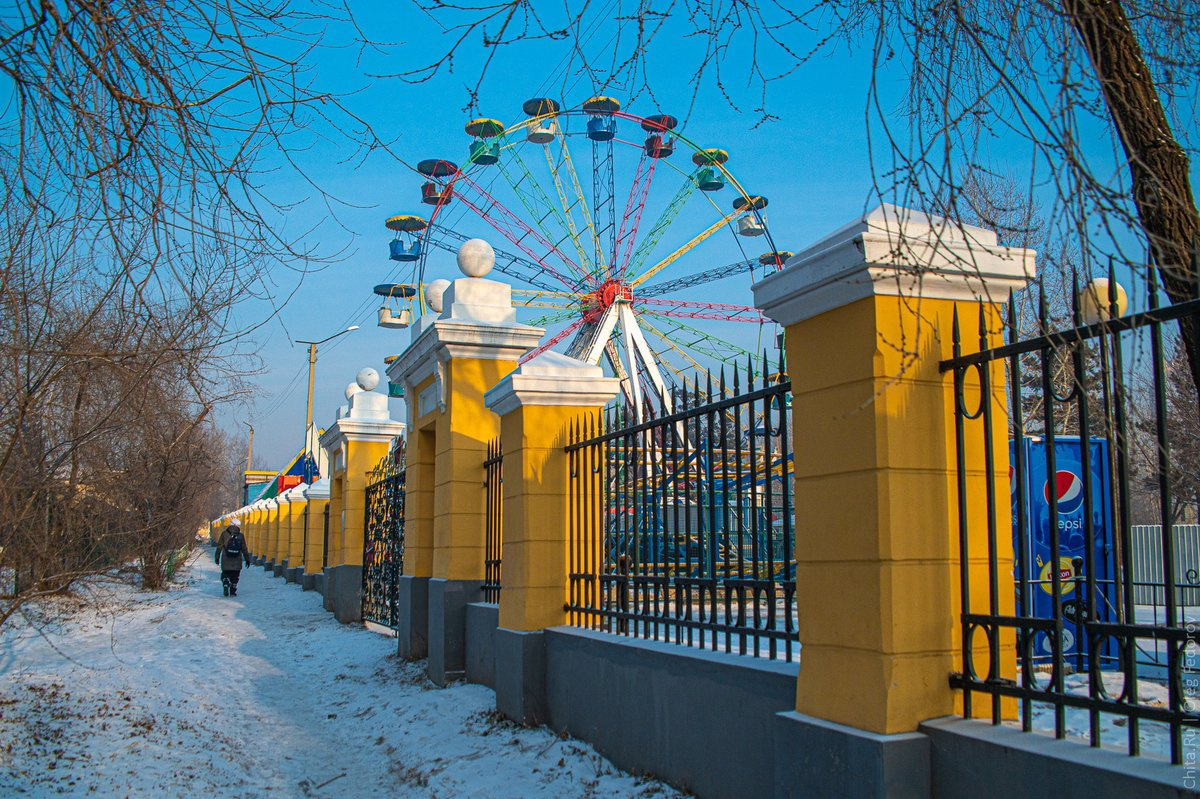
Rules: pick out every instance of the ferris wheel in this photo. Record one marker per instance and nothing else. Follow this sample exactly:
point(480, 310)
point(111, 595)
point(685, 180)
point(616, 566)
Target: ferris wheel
point(605, 263)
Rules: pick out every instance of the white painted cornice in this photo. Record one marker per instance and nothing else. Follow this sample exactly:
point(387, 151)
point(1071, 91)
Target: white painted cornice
point(552, 379)
point(898, 252)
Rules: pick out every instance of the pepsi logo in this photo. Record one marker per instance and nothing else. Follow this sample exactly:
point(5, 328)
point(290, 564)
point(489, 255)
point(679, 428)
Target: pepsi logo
point(1068, 490)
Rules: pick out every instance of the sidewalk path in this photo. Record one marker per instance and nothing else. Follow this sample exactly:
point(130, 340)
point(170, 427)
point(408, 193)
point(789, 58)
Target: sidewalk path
point(188, 693)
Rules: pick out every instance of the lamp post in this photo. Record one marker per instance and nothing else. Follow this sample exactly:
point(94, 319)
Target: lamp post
point(249, 458)
point(312, 364)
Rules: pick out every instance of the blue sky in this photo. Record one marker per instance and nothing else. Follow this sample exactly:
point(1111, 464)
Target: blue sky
point(811, 163)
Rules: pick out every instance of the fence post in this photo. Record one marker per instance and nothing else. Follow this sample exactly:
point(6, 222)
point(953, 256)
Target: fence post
point(455, 356)
point(317, 497)
point(536, 404)
point(361, 436)
point(868, 313)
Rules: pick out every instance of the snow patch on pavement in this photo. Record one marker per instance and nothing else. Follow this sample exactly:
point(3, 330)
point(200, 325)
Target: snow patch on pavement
point(188, 693)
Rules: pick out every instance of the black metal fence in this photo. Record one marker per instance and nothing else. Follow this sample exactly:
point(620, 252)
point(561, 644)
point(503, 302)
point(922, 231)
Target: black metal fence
point(681, 526)
point(383, 541)
point(493, 482)
point(1090, 660)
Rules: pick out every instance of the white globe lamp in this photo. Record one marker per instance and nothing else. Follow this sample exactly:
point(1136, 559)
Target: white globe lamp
point(476, 258)
point(367, 379)
point(433, 293)
point(1094, 302)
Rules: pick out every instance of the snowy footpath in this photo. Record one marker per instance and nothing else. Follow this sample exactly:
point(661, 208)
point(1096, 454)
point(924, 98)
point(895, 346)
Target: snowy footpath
point(188, 693)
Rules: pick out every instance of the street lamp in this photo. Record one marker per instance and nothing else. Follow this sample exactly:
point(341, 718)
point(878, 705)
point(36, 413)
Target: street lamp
point(312, 363)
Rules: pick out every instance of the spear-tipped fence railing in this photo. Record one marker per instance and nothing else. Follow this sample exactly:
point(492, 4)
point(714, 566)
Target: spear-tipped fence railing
point(680, 526)
point(1088, 655)
point(493, 520)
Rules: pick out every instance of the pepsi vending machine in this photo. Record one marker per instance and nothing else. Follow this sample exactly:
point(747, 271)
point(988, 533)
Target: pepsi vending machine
point(1066, 490)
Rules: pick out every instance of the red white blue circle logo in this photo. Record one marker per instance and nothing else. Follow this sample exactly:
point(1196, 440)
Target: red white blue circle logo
point(1068, 490)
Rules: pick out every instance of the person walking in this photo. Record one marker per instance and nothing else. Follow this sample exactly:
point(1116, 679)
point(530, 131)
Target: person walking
point(232, 553)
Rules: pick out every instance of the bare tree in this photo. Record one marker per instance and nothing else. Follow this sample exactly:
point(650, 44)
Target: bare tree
point(133, 224)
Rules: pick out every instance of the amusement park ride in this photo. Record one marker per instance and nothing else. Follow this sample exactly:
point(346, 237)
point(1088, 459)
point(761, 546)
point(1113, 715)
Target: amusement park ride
point(586, 258)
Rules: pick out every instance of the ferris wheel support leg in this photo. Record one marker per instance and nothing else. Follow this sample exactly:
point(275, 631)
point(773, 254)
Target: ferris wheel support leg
point(628, 325)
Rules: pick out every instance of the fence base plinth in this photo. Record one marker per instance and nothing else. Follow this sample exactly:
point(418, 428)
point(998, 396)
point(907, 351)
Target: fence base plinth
point(482, 621)
point(293, 574)
point(343, 593)
point(279, 568)
point(267, 565)
point(814, 757)
point(448, 600)
point(521, 675)
point(985, 761)
point(319, 584)
point(308, 582)
point(413, 625)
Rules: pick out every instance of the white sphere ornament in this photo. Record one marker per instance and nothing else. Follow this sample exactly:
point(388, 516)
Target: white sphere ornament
point(434, 290)
point(476, 258)
point(352, 389)
point(367, 378)
point(1094, 302)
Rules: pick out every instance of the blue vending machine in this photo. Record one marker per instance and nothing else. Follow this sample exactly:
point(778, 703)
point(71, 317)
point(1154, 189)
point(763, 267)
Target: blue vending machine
point(1066, 490)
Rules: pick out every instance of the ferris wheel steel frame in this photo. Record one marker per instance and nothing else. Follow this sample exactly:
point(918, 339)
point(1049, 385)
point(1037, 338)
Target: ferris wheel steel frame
point(596, 283)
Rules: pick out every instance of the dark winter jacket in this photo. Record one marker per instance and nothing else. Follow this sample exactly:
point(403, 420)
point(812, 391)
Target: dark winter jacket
point(226, 560)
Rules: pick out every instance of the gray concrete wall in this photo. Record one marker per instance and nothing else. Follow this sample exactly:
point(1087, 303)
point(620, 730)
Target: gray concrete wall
point(412, 634)
point(703, 721)
point(448, 600)
point(976, 759)
point(343, 593)
point(482, 620)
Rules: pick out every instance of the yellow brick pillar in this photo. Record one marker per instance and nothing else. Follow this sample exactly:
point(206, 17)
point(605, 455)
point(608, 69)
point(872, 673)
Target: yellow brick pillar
point(316, 499)
point(453, 358)
point(868, 313)
point(293, 555)
point(537, 405)
point(356, 442)
point(257, 513)
point(283, 531)
point(273, 531)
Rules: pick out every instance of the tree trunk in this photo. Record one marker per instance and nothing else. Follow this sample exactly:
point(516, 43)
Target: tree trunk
point(1158, 165)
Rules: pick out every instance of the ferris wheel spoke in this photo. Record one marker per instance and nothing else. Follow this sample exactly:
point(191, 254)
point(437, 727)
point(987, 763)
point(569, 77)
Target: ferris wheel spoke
point(685, 249)
point(566, 331)
point(687, 309)
point(531, 194)
point(604, 201)
point(569, 205)
point(512, 265)
point(698, 279)
point(664, 221)
point(669, 346)
point(513, 228)
point(698, 340)
point(634, 207)
point(553, 318)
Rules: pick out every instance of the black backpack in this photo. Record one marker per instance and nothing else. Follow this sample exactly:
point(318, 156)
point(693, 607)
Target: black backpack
point(234, 547)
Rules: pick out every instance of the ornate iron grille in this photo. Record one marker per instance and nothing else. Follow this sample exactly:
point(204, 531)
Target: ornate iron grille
point(493, 482)
point(1085, 647)
point(383, 540)
point(681, 526)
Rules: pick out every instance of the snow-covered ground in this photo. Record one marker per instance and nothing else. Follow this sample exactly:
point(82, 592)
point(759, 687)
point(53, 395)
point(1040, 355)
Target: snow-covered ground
point(188, 693)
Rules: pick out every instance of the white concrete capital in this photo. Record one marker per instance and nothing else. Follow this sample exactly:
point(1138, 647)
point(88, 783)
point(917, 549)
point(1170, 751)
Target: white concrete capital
point(318, 490)
point(899, 252)
point(552, 379)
